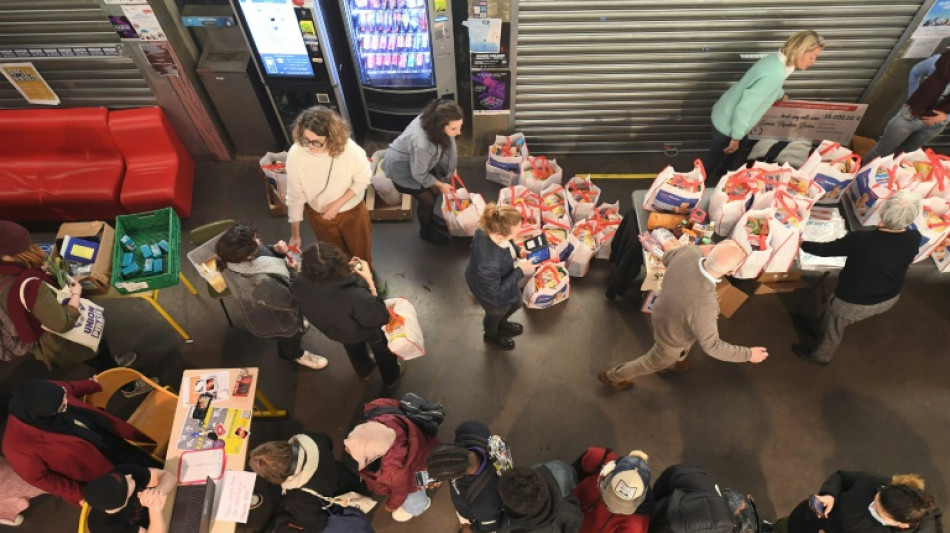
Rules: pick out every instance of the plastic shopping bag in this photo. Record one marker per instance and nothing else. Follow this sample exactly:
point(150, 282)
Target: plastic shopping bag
point(403, 333)
point(508, 152)
point(832, 167)
point(676, 192)
point(550, 285)
point(554, 208)
point(583, 197)
point(525, 201)
point(731, 198)
point(933, 223)
point(772, 175)
point(606, 220)
point(583, 238)
point(461, 209)
point(539, 173)
point(927, 168)
point(762, 237)
point(875, 182)
point(381, 183)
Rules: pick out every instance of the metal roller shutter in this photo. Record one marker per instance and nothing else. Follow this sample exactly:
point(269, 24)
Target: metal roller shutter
point(597, 76)
point(112, 81)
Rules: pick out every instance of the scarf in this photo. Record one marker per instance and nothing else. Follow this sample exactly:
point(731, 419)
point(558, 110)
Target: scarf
point(37, 402)
point(369, 441)
point(307, 463)
point(926, 97)
point(272, 266)
point(28, 328)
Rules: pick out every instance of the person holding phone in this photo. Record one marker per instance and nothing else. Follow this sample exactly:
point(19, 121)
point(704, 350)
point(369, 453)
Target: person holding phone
point(865, 502)
point(423, 158)
point(924, 116)
point(327, 176)
point(495, 267)
point(337, 294)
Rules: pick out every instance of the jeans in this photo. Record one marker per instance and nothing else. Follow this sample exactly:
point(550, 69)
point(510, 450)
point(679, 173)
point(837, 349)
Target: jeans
point(363, 363)
point(496, 316)
point(903, 134)
point(416, 503)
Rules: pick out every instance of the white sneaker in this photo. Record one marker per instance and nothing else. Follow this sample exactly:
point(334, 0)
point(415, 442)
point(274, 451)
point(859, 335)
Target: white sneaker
point(400, 515)
point(313, 361)
point(125, 359)
point(17, 520)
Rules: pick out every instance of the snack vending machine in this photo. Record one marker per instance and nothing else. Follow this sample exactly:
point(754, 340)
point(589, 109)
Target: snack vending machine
point(404, 55)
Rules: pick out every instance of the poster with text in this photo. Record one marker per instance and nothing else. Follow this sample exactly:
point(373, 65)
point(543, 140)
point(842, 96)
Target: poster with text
point(809, 121)
point(491, 92)
point(145, 23)
point(29, 83)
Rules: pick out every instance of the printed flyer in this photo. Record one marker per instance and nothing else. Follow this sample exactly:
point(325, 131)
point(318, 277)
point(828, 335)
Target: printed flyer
point(29, 83)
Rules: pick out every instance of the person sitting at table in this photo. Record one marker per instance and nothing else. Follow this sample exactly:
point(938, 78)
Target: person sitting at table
point(129, 499)
point(57, 443)
point(308, 476)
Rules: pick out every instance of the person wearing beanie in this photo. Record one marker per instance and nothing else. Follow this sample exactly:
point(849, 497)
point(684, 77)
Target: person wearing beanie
point(28, 299)
point(302, 466)
point(614, 491)
point(866, 502)
point(538, 499)
point(129, 499)
point(389, 449)
point(473, 481)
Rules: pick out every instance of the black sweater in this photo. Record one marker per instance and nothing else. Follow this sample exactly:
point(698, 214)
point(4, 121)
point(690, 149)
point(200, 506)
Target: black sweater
point(344, 310)
point(491, 273)
point(876, 266)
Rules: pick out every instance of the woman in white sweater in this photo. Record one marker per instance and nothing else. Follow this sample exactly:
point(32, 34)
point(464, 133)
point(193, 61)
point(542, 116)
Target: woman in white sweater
point(327, 175)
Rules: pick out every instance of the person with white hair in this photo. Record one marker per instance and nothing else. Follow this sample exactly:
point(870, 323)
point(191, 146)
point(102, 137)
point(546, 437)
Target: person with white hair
point(686, 313)
point(873, 274)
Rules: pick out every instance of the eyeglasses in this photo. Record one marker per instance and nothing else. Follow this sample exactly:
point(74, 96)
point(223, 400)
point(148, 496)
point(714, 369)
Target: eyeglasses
point(312, 143)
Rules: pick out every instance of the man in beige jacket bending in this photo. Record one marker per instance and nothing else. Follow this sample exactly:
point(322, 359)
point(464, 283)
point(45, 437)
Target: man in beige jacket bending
point(686, 313)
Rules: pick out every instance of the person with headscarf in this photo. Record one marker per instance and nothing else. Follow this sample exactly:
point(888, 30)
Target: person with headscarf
point(389, 450)
point(58, 443)
point(36, 313)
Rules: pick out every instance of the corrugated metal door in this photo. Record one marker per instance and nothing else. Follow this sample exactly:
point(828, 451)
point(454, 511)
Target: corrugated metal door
point(635, 75)
point(64, 40)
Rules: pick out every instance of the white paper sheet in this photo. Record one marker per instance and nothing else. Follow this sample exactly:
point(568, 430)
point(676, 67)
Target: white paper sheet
point(484, 35)
point(234, 500)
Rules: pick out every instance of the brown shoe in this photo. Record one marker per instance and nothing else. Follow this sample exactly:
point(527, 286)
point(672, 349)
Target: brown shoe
point(617, 385)
point(678, 367)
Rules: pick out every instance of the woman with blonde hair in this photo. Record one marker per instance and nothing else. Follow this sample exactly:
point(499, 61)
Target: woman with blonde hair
point(742, 106)
point(865, 502)
point(494, 270)
point(327, 175)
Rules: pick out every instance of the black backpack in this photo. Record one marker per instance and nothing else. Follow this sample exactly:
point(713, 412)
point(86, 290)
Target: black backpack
point(423, 413)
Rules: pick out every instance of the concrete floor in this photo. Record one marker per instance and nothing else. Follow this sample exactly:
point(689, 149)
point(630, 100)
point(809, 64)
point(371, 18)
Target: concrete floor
point(774, 430)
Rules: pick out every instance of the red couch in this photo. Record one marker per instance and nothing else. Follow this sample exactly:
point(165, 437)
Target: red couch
point(91, 163)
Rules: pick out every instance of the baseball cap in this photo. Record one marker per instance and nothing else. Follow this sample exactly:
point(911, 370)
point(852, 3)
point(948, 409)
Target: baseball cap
point(624, 483)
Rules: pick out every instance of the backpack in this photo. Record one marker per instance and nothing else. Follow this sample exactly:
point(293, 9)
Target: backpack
point(498, 453)
point(423, 413)
point(11, 346)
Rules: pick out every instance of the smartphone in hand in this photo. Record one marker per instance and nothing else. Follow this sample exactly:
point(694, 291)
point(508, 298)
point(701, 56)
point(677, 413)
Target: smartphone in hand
point(423, 478)
point(816, 506)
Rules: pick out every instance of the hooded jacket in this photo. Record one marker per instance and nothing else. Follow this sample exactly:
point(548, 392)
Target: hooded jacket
point(261, 288)
point(395, 478)
point(344, 310)
point(559, 515)
point(479, 503)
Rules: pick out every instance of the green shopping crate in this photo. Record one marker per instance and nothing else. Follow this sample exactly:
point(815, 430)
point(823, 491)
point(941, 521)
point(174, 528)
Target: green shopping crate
point(147, 228)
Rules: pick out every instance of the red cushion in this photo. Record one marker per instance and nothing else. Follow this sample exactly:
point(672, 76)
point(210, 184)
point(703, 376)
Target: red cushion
point(159, 171)
point(58, 164)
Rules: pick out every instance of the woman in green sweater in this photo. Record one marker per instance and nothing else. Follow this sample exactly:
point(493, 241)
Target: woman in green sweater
point(741, 107)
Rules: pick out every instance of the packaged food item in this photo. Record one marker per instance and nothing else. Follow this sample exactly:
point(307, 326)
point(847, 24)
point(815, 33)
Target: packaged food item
point(758, 231)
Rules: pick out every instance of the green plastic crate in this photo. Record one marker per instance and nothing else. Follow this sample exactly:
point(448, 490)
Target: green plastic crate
point(147, 228)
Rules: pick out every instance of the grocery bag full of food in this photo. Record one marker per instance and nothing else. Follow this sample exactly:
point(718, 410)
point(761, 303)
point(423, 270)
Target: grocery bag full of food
point(539, 173)
point(461, 209)
point(583, 197)
point(676, 192)
point(550, 285)
point(732, 197)
point(874, 183)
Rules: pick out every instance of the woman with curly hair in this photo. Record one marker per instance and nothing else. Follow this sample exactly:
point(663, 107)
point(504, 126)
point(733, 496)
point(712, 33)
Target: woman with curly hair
point(423, 159)
point(327, 175)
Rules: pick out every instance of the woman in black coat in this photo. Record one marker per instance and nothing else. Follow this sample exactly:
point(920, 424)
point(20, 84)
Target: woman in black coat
point(337, 295)
point(864, 502)
point(494, 270)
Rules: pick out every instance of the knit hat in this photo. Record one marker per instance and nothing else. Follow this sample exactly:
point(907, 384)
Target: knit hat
point(13, 238)
point(447, 462)
point(369, 441)
point(107, 492)
point(624, 482)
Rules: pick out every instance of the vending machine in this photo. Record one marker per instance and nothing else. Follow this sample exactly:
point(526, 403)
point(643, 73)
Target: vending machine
point(301, 56)
point(404, 55)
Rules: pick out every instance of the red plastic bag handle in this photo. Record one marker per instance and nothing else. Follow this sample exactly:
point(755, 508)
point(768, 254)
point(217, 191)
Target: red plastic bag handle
point(831, 147)
point(452, 197)
point(937, 168)
point(550, 267)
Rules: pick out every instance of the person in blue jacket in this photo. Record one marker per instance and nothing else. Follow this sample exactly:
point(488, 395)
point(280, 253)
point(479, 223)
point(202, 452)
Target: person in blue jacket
point(742, 106)
point(493, 272)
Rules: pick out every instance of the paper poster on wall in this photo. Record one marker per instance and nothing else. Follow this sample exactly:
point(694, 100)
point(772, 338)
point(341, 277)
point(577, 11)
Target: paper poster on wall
point(936, 23)
point(29, 83)
point(145, 23)
point(123, 27)
point(484, 35)
point(491, 93)
point(809, 120)
point(160, 58)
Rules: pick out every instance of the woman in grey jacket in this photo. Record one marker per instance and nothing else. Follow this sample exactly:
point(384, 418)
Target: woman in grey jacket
point(260, 283)
point(423, 159)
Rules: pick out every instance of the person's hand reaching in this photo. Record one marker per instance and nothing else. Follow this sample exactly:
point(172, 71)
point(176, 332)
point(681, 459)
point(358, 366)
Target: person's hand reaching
point(759, 354)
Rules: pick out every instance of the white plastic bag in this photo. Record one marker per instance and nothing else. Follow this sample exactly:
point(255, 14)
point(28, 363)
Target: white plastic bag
point(525, 201)
point(461, 209)
point(403, 333)
point(381, 183)
point(676, 192)
point(606, 220)
point(583, 197)
point(539, 173)
point(832, 167)
point(550, 285)
point(780, 244)
point(933, 223)
point(274, 168)
point(875, 182)
point(554, 207)
point(583, 238)
point(508, 152)
point(731, 198)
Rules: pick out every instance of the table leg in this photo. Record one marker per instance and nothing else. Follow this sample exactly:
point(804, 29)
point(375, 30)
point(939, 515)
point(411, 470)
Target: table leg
point(152, 298)
point(191, 288)
point(269, 411)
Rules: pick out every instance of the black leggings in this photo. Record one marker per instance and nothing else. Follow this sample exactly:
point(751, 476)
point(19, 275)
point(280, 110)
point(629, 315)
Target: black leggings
point(426, 198)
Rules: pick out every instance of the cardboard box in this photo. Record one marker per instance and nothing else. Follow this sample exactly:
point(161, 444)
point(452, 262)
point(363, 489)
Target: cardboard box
point(779, 282)
point(730, 298)
point(98, 281)
point(380, 211)
point(277, 207)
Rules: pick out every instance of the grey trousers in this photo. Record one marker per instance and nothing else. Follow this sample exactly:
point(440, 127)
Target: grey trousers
point(839, 315)
point(656, 359)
